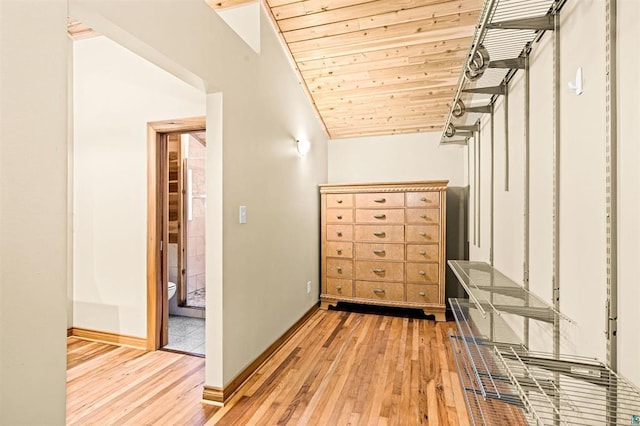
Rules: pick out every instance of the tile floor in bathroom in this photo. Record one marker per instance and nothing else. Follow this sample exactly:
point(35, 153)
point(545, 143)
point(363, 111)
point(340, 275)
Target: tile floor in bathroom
point(186, 334)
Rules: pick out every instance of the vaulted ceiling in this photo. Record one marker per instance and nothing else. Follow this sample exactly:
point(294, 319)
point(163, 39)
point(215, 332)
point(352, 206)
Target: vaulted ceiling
point(378, 67)
point(375, 67)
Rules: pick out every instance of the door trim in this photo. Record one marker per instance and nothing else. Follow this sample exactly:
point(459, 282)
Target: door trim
point(156, 292)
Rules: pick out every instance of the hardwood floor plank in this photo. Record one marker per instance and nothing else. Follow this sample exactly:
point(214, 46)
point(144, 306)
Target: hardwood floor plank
point(107, 384)
point(340, 367)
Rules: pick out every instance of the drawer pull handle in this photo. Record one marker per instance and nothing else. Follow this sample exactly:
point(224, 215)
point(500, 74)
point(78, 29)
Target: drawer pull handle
point(423, 234)
point(423, 216)
point(338, 287)
point(378, 270)
point(339, 234)
point(339, 216)
point(339, 268)
point(379, 252)
point(380, 216)
point(422, 273)
point(339, 251)
point(379, 234)
point(378, 290)
point(423, 199)
point(422, 252)
point(422, 293)
point(339, 201)
point(380, 200)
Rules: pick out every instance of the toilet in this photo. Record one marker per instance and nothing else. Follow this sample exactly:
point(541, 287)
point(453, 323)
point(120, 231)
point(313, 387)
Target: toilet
point(171, 288)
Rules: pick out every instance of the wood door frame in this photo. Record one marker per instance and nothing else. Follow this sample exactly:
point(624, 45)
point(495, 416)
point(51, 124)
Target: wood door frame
point(157, 259)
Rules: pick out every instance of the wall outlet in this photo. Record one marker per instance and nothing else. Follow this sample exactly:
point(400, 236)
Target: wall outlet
point(308, 287)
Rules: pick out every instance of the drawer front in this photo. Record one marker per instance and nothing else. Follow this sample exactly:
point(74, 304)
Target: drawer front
point(340, 268)
point(338, 249)
point(422, 233)
point(339, 216)
point(379, 251)
point(423, 216)
point(380, 216)
point(423, 252)
point(336, 287)
point(339, 232)
point(380, 200)
point(422, 272)
point(339, 200)
point(380, 291)
point(422, 293)
point(380, 233)
point(423, 199)
point(379, 271)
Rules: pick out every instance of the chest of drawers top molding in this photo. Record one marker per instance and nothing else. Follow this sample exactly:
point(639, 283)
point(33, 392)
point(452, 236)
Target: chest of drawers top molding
point(350, 188)
point(384, 244)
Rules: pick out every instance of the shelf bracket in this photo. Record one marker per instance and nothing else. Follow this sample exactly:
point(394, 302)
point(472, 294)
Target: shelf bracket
point(494, 90)
point(469, 127)
point(463, 133)
point(538, 23)
point(515, 63)
point(483, 109)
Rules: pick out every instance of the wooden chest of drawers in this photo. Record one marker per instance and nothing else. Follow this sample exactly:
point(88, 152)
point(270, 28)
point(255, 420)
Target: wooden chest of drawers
point(384, 244)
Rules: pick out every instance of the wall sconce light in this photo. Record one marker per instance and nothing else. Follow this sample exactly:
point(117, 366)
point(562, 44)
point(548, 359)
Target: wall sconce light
point(303, 146)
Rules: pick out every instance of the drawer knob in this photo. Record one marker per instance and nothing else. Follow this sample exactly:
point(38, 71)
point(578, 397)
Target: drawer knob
point(423, 234)
point(422, 252)
point(380, 200)
point(378, 290)
point(423, 216)
point(380, 216)
point(339, 201)
point(338, 287)
point(423, 199)
point(339, 251)
point(378, 270)
point(379, 234)
point(339, 268)
point(382, 252)
point(422, 293)
point(422, 273)
point(339, 234)
point(339, 216)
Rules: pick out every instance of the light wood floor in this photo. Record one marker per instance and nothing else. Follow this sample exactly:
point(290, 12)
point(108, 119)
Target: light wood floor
point(340, 368)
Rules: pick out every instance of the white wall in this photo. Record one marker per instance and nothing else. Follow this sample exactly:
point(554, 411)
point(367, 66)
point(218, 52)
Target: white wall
point(397, 158)
point(256, 272)
point(33, 211)
point(116, 93)
point(582, 174)
point(629, 182)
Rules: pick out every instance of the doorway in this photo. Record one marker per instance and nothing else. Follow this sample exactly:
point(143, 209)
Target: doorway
point(176, 235)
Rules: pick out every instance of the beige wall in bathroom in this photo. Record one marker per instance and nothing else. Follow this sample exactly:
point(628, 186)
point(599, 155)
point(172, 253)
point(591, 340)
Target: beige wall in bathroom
point(256, 272)
point(115, 94)
point(33, 211)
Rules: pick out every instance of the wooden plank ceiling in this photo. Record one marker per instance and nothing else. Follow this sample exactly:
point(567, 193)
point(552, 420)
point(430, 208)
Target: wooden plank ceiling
point(373, 67)
point(378, 67)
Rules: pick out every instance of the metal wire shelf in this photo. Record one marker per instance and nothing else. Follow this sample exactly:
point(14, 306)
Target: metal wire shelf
point(506, 383)
point(491, 290)
point(505, 31)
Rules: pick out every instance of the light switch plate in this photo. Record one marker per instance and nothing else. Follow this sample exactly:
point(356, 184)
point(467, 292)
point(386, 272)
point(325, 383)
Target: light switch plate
point(243, 214)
